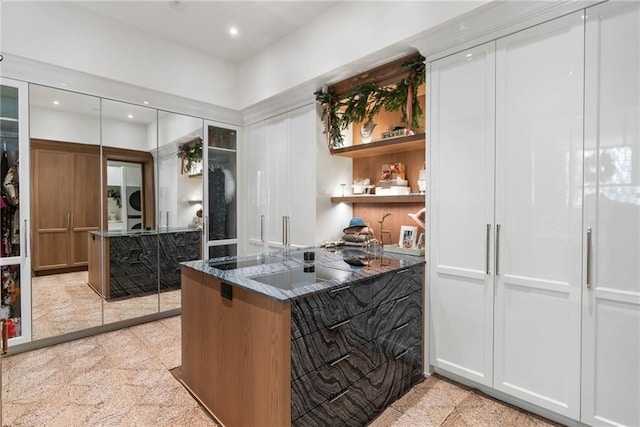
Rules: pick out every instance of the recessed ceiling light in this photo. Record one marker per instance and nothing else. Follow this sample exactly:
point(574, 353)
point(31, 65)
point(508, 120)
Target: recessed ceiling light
point(233, 31)
point(63, 84)
point(145, 102)
point(469, 55)
point(130, 116)
point(56, 102)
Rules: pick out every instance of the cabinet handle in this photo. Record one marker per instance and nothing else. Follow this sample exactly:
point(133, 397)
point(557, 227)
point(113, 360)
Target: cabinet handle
point(262, 228)
point(166, 223)
point(71, 222)
point(399, 328)
point(589, 234)
point(344, 288)
point(498, 250)
point(335, 362)
point(339, 396)
point(401, 354)
point(337, 325)
point(402, 299)
point(285, 230)
point(26, 239)
point(486, 267)
point(5, 337)
point(68, 220)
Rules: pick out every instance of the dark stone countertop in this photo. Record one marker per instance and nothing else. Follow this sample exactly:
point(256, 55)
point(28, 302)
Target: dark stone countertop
point(129, 233)
point(328, 270)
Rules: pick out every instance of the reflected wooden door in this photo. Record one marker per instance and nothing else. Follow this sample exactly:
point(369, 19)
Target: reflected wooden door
point(85, 212)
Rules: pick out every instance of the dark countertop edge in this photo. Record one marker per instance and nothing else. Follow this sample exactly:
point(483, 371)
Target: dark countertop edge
point(129, 233)
point(241, 277)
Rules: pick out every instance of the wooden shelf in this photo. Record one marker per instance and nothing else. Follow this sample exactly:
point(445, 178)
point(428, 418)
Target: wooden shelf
point(383, 146)
point(366, 198)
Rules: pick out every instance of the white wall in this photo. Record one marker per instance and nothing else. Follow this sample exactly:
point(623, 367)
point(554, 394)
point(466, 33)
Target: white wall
point(342, 35)
point(120, 134)
point(56, 125)
point(70, 36)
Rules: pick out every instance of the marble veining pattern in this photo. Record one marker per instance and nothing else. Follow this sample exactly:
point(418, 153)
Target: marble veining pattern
point(294, 259)
point(81, 383)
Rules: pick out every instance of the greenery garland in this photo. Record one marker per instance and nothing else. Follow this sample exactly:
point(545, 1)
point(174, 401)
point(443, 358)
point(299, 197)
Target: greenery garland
point(366, 100)
point(191, 152)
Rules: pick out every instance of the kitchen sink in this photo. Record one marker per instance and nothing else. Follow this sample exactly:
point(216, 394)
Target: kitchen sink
point(299, 277)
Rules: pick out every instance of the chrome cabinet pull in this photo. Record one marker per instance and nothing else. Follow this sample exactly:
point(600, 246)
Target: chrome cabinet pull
point(339, 396)
point(68, 220)
point(337, 325)
point(262, 228)
point(589, 234)
point(401, 354)
point(486, 266)
point(284, 237)
point(498, 250)
point(335, 362)
point(343, 288)
point(26, 239)
point(401, 327)
point(402, 299)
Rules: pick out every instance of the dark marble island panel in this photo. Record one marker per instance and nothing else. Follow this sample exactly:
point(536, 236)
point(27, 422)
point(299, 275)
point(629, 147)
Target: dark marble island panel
point(140, 262)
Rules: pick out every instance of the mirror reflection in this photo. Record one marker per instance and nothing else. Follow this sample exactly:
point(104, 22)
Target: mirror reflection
point(128, 249)
point(65, 209)
point(180, 184)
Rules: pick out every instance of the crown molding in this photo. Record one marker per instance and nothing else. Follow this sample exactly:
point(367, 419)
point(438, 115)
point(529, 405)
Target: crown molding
point(31, 71)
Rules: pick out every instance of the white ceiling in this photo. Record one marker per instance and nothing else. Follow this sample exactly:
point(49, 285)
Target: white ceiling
point(204, 25)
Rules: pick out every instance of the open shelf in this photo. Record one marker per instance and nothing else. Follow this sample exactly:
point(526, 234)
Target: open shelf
point(368, 198)
point(383, 146)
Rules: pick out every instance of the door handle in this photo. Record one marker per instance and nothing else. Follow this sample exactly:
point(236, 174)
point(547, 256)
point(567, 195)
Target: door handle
point(262, 228)
point(497, 249)
point(26, 239)
point(72, 221)
point(68, 220)
point(589, 234)
point(488, 248)
point(285, 230)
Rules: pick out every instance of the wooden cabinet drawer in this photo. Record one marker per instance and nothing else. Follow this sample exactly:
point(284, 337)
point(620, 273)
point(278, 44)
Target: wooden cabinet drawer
point(314, 350)
point(389, 287)
point(328, 308)
point(393, 314)
point(320, 385)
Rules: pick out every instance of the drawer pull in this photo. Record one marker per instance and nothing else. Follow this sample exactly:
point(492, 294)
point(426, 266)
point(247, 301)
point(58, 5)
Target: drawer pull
point(337, 325)
point(335, 362)
point(401, 354)
point(403, 299)
point(339, 396)
point(402, 326)
point(343, 288)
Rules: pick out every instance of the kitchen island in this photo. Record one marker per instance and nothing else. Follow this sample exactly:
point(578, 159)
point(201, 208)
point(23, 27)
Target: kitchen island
point(133, 260)
point(275, 340)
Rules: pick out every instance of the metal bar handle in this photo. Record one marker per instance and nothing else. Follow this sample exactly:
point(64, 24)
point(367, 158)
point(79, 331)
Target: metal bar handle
point(68, 220)
point(72, 221)
point(497, 249)
point(486, 266)
point(401, 354)
point(26, 239)
point(335, 362)
point(262, 228)
point(337, 325)
point(284, 225)
point(339, 396)
point(589, 237)
point(343, 288)
point(5, 336)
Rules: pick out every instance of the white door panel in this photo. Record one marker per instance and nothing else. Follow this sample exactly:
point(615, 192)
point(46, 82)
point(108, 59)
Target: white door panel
point(538, 209)
point(462, 134)
point(611, 314)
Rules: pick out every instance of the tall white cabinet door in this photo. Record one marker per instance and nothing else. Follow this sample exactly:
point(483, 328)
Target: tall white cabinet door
point(462, 95)
point(278, 195)
point(256, 170)
point(302, 184)
point(611, 315)
point(539, 140)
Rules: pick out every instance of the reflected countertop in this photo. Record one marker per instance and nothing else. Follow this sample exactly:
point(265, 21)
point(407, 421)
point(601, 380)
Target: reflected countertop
point(278, 275)
point(132, 233)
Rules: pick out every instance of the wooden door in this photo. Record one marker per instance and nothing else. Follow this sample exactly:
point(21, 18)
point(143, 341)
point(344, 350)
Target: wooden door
point(538, 214)
point(52, 204)
point(85, 209)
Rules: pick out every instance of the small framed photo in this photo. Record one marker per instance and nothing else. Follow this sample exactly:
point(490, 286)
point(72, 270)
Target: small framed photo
point(408, 236)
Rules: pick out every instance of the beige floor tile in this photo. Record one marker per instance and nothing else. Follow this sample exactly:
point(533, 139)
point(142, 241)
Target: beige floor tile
point(480, 411)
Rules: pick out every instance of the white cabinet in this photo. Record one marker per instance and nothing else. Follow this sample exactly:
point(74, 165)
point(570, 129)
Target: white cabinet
point(611, 297)
point(280, 165)
point(539, 214)
point(462, 168)
point(506, 214)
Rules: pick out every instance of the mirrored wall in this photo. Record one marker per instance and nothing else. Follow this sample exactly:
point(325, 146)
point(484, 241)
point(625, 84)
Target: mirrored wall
point(114, 209)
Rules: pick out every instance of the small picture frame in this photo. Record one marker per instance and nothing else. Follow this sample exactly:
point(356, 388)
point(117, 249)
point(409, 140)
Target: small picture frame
point(408, 236)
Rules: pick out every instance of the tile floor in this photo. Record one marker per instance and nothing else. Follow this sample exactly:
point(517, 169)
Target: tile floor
point(122, 378)
point(65, 303)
